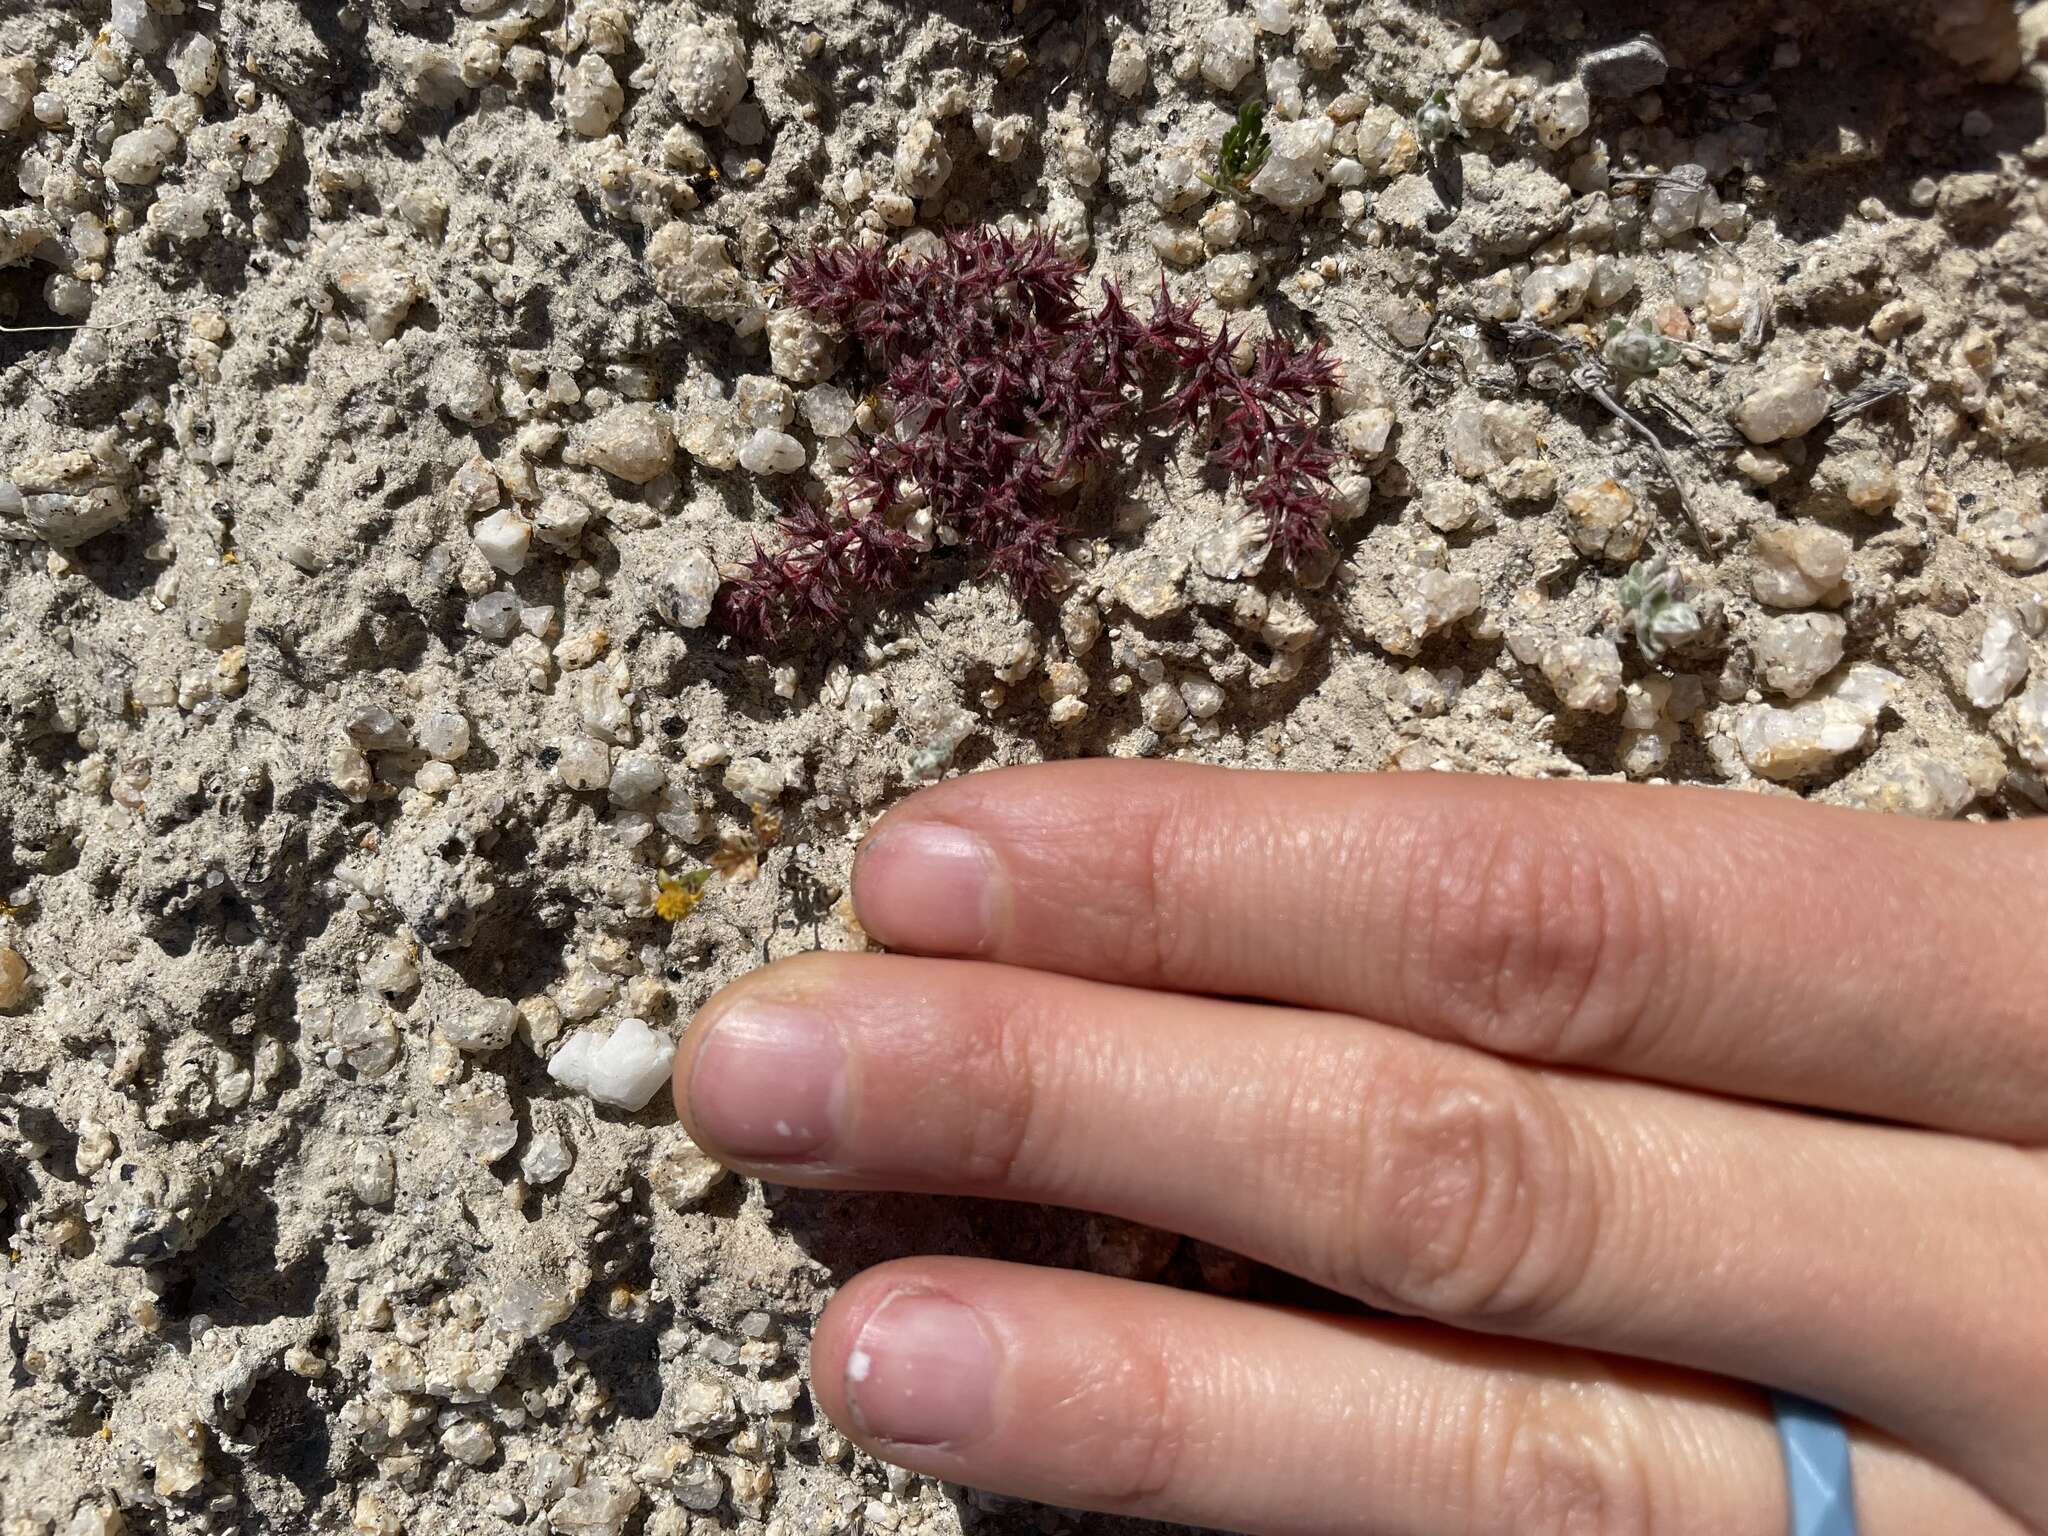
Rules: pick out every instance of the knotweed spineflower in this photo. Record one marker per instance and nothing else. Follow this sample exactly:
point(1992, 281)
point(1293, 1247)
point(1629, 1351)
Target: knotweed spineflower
point(1002, 390)
point(1652, 594)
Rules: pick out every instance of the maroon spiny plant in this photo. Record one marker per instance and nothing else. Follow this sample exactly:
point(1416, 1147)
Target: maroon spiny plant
point(1002, 390)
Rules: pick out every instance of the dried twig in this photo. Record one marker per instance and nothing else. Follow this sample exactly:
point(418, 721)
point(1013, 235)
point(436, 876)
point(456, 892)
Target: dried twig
point(1690, 420)
point(1592, 380)
point(1692, 177)
point(1597, 382)
point(1375, 335)
point(86, 325)
point(1872, 392)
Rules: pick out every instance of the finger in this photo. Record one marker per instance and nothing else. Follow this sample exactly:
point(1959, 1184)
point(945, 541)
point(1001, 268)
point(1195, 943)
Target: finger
point(1137, 1400)
point(1769, 949)
point(1419, 1176)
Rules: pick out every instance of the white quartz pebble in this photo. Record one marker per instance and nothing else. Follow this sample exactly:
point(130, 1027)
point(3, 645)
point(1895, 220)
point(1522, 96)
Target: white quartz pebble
point(503, 539)
point(769, 452)
point(625, 1067)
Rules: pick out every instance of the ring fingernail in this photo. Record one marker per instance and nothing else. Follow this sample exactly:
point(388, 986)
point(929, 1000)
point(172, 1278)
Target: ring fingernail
point(922, 1372)
point(769, 1083)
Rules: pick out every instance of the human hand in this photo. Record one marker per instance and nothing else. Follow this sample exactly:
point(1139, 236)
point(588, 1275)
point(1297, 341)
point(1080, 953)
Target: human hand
point(1544, 1068)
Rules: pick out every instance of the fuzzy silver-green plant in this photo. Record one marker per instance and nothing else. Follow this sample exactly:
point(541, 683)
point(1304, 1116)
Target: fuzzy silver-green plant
point(1653, 596)
point(1638, 350)
point(1436, 120)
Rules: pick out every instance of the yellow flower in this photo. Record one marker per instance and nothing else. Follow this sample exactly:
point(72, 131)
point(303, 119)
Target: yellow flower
point(675, 900)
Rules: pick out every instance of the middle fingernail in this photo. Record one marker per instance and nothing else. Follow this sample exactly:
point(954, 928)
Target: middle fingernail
point(769, 1082)
point(928, 886)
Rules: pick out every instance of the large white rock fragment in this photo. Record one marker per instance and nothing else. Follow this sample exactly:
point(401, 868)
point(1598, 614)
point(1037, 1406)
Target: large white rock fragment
point(769, 452)
point(262, 142)
point(469, 1442)
point(1807, 738)
point(1432, 600)
point(64, 499)
point(1151, 586)
point(759, 401)
point(17, 89)
point(1274, 15)
point(2001, 664)
point(1585, 673)
point(1919, 784)
point(595, 1507)
point(757, 782)
point(592, 97)
point(1796, 651)
point(195, 64)
point(2030, 726)
point(1175, 179)
point(687, 587)
point(1562, 113)
point(1787, 403)
point(383, 296)
point(1683, 201)
point(560, 522)
point(922, 161)
point(1553, 295)
point(1129, 70)
point(1233, 278)
point(583, 765)
point(631, 441)
point(137, 25)
point(707, 73)
point(624, 1068)
point(138, 158)
point(1292, 176)
point(1229, 50)
point(503, 539)
point(683, 1173)
point(828, 408)
point(2017, 539)
point(1234, 549)
point(1605, 520)
point(1800, 565)
point(483, 1028)
point(799, 348)
point(692, 269)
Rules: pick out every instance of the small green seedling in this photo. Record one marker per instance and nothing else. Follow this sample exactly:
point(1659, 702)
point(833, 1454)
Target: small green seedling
point(1245, 148)
point(1436, 120)
point(1653, 596)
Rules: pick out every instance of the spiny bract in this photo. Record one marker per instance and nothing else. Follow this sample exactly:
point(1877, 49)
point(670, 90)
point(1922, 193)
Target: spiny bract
point(1001, 389)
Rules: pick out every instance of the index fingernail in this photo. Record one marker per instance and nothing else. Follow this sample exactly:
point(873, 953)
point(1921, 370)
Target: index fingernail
point(929, 886)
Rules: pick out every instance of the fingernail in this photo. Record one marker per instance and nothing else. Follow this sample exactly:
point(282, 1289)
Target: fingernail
point(928, 886)
point(922, 1372)
point(769, 1082)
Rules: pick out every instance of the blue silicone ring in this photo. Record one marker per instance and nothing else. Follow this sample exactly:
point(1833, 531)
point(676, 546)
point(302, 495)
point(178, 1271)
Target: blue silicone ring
point(1816, 1467)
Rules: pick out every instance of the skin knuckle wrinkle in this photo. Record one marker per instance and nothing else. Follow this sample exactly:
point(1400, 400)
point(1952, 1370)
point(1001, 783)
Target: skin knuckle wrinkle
point(1543, 941)
point(1432, 887)
point(1015, 1052)
point(1139, 1404)
point(1150, 941)
point(1564, 1461)
point(1473, 1211)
